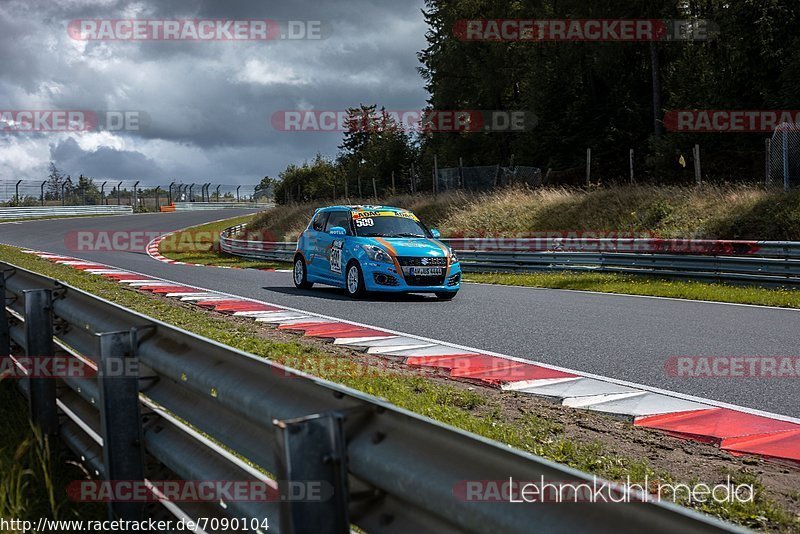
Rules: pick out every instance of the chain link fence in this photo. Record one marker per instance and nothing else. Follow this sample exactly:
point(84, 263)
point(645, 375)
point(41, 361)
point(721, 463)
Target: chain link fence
point(784, 157)
point(143, 197)
point(487, 177)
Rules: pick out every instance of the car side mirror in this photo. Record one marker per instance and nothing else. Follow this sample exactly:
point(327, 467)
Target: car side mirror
point(337, 231)
point(436, 234)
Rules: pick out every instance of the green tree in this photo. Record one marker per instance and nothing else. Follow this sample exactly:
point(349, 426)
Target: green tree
point(54, 181)
point(374, 146)
point(307, 182)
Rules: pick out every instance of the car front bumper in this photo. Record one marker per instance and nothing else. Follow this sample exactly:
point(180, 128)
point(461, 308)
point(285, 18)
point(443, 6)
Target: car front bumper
point(385, 278)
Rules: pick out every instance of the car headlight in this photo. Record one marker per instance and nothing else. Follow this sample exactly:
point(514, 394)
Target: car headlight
point(377, 254)
point(453, 257)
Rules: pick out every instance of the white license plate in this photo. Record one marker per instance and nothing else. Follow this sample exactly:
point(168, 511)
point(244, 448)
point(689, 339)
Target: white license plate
point(426, 271)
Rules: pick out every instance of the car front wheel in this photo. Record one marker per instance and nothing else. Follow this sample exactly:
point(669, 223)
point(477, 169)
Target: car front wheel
point(300, 274)
point(354, 282)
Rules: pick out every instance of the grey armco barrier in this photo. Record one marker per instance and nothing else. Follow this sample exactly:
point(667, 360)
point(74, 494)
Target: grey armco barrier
point(62, 211)
point(189, 408)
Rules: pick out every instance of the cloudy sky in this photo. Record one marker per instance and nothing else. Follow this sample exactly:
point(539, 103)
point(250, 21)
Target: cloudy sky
point(206, 105)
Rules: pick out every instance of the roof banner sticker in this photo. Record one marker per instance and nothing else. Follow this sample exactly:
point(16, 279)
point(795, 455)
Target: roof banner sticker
point(364, 214)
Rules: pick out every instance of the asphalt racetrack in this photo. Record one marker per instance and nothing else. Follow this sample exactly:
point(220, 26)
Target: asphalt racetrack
point(627, 338)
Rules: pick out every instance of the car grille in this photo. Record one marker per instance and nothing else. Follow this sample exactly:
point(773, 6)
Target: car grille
point(425, 261)
point(407, 261)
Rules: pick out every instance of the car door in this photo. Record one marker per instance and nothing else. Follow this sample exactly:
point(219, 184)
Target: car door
point(316, 229)
point(332, 247)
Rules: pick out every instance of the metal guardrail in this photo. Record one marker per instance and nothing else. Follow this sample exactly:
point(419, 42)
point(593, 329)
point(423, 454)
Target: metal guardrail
point(255, 250)
point(56, 211)
point(753, 262)
point(199, 410)
point(198, 206)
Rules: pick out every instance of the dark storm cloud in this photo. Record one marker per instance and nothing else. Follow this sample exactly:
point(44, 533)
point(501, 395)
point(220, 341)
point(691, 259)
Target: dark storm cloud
point(209, 103)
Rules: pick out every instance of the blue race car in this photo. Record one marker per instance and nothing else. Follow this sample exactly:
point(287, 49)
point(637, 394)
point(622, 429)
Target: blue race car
point(374, 248)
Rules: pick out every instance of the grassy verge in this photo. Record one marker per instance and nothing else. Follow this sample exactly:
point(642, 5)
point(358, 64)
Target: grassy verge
point(33, 475)
point(482, 412)
point(642, 285)
point(200, 245)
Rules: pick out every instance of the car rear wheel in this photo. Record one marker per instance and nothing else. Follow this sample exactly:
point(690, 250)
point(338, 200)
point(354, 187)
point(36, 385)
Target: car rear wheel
point(446, 295)
point(300, 274)
point(354, 281)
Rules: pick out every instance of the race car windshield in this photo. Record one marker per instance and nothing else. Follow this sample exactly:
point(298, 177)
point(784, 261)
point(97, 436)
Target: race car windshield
point(389, 227)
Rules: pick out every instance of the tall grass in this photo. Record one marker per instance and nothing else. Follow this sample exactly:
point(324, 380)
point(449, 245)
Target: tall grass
point(711, 212)
point(33, 473)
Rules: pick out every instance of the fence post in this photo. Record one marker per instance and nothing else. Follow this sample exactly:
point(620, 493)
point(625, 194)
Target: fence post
point(38, 345)
point(312, 450)
point(786, 160)
point(5, 339)
point(119, 194)
point(374, 189)
point(768, 161)
point(633, 177)
point(461, 173)
point(394, 191)
point(41, 187)
point(135, 198)
point(120, 416)
point(588, 166)
point(698, 169)
point(411, 178)
point(435, 175)
point(237, 193)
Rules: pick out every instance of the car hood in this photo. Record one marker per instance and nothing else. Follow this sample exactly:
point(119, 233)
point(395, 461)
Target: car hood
point(413, 247)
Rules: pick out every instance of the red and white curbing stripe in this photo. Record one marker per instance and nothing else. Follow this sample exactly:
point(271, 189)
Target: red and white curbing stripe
point(738, 430)
point(152, 251)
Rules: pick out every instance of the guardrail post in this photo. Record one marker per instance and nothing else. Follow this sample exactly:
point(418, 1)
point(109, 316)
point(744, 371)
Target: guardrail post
point(5, 339)
point(312, 473)
point(39, 344)
point(120, 417)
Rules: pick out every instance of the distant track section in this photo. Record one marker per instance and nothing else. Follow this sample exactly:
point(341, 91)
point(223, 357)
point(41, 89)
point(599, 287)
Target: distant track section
point(61, 211)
